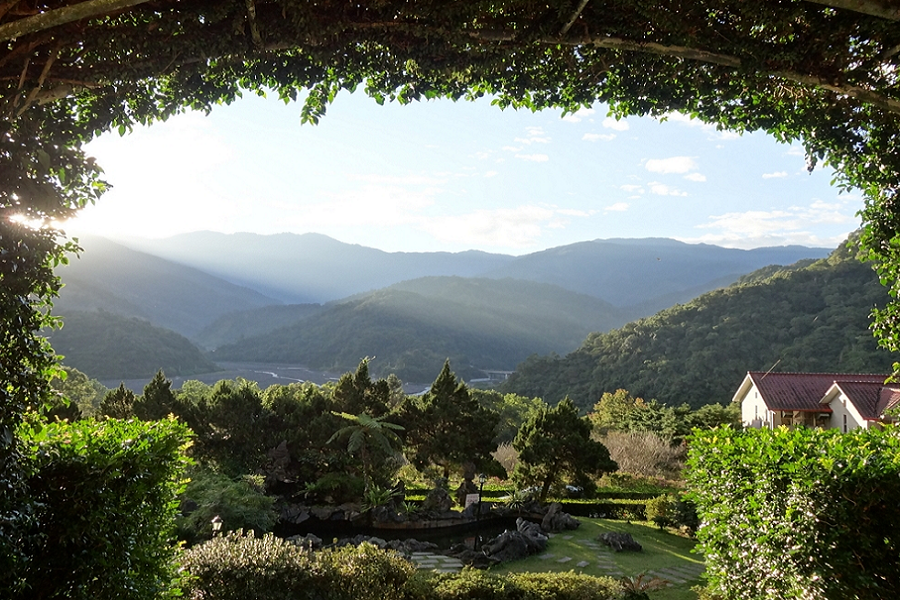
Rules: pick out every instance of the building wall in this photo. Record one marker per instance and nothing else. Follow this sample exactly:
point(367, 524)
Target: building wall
point(754, 412)
point(844, 414)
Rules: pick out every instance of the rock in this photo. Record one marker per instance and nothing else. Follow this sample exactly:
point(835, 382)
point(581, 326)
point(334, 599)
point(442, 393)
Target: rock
point(294, 513)
point(555, 520)
point(309, 541)
point(478, 510)
point(533, 533)
point(620, 542)
point(279, 460)
point(509, 545)
point(437, 500)
point(465, 488)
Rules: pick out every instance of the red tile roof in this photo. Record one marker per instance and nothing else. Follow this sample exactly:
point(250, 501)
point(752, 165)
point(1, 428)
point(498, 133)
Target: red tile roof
point(870, 399)
point(802, 391)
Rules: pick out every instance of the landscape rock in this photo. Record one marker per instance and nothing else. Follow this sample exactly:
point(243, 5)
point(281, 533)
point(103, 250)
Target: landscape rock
point(477, 510)
point(309, 541)
point(620, 542)
point(555, 520)
point(438, 500)
point(526, 540)
point(294, 513)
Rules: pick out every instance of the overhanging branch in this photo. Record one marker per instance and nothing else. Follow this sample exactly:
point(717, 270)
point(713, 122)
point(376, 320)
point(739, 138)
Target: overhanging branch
point(61, 16)
point(883, 9)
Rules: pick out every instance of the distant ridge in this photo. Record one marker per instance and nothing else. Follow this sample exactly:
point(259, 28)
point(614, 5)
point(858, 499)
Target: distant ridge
point(111, 277)
point(644, 274)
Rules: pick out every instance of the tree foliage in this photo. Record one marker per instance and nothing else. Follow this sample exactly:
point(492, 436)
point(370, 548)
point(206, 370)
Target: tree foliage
point(447, 427)
point(823, 72)
point(556, 443)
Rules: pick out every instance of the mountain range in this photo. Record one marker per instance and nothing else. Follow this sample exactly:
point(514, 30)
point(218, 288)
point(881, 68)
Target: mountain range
point(315, 301)
point(810, 317)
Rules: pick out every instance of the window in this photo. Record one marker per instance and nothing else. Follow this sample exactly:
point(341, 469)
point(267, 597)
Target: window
point(845, 423)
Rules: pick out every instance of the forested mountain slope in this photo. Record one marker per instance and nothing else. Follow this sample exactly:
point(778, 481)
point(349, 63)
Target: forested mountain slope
point(108, 346)
point(412, 327)
point(814, 318)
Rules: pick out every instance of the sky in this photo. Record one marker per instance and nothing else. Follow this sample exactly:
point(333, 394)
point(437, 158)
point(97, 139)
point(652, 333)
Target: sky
point(445, 176)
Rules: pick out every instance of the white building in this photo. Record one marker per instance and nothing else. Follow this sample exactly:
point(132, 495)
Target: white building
point(844, 401)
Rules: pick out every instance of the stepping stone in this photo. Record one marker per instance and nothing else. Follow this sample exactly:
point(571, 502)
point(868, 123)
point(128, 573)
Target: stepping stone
point(582, 564)
point(667, 576)
point(567, 537)
point(564, 559)
point(546, 555)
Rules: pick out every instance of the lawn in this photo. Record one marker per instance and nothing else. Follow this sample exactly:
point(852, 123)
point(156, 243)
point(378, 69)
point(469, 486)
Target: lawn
point(663, 551)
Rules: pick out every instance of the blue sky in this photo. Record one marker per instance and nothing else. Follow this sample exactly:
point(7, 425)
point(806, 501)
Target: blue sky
point(456, 176)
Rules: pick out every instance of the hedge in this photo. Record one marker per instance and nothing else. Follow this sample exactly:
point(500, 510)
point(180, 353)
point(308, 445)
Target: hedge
point(798, 513)
point(105, 500)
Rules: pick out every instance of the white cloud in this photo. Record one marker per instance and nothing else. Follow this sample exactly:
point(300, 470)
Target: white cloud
point(511, 148)
point(699, 177)
point(578, 115)
point(713, 132)
point(611, 123)
point(630, 187)
point(676, 164)
point(518, 227)
point(617, 207)
point(573, 212)
point(533, 157)
point(593, 137)
point(775, 175)
point(409, 180)
point(661, 189)
point(751, 229)
point(532, 140)
point(491, 174)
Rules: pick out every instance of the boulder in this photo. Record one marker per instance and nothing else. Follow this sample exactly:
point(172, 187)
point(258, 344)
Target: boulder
point(438, 500)
point(556, 520)
point(620, 542)
point(309, 541)
point(526, 540)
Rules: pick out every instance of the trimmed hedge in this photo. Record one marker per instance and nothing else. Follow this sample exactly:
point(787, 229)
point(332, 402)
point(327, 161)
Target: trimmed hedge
point(801, 513)
point(105, 494)
point(238, 566)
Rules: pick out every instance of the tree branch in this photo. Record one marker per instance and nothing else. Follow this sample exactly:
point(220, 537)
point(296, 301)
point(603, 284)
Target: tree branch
point(61, 16)
point(886, 9)
point(574, 18)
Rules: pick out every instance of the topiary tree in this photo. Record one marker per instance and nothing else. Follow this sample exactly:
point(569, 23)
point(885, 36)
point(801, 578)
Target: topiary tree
point(556, 443)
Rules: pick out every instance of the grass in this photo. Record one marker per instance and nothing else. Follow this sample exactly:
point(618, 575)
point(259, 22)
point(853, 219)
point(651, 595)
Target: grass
point(661, 550)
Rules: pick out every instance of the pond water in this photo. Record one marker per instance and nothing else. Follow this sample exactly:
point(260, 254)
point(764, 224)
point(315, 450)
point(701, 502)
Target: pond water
point(444, 537)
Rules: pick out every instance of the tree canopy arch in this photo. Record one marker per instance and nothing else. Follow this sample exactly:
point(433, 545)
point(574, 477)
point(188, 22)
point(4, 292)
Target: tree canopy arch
point(824, 72)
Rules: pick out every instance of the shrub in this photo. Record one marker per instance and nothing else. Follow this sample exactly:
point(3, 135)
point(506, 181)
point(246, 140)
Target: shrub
point(660, 510)
point(364, 572)
point(564, 586)
point(802, 513)
point(240, 504)
point(471, 584)
point(238, 566)
point(105, 497)
point(645, 453)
